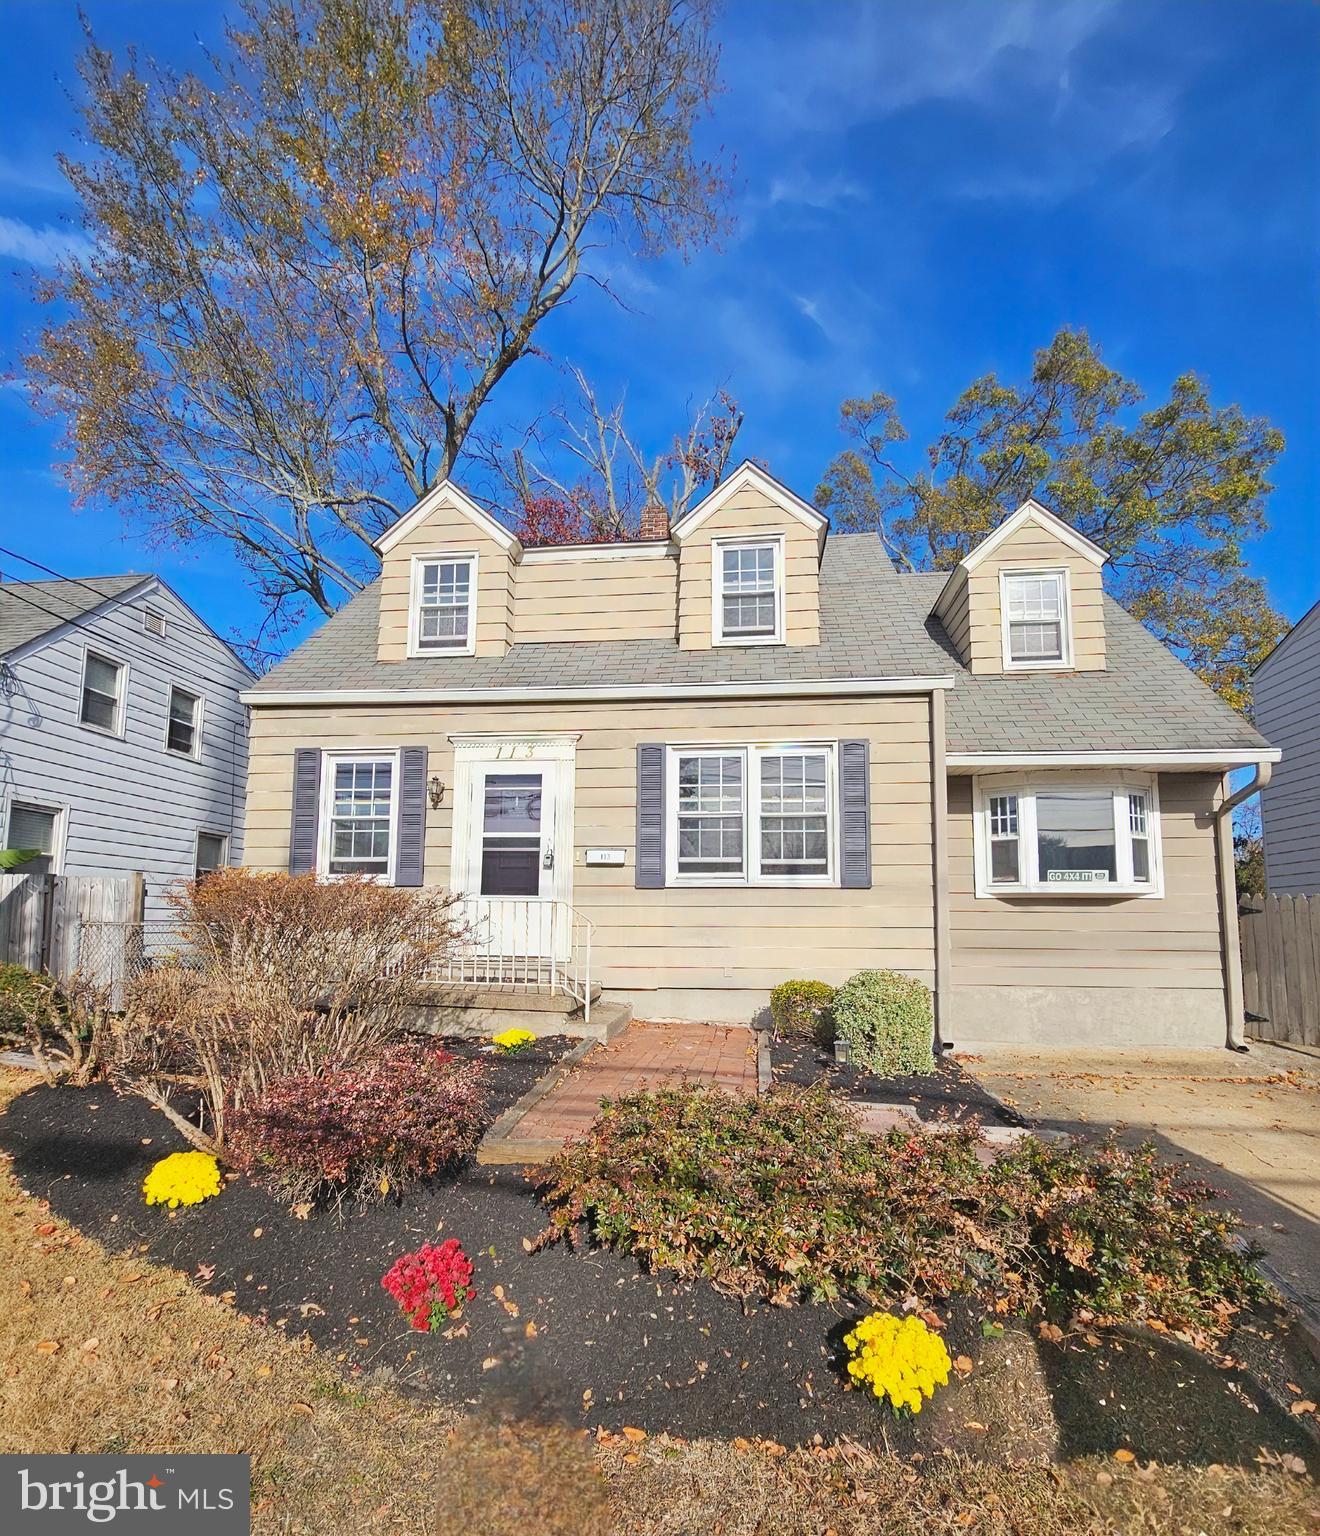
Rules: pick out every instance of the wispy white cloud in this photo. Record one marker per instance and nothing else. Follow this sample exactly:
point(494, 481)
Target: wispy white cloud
point(43, 245)
point(33, 173)
point(802, 187)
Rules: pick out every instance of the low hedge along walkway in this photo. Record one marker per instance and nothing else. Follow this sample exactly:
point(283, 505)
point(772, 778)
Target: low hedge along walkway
point(587, 1338)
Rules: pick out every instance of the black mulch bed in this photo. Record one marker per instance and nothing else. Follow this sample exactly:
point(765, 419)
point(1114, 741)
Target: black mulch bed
point(949, 1093)
point(509, 1076)
point(586, 1337)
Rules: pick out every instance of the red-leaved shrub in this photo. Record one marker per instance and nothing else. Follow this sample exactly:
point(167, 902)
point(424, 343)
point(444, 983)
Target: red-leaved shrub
point(432, 1284)
point(408, 1112)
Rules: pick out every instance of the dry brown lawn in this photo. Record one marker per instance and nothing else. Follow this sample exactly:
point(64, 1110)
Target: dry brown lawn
point(106, 1352)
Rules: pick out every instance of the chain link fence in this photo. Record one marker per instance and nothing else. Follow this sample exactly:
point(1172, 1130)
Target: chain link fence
point(110, 955)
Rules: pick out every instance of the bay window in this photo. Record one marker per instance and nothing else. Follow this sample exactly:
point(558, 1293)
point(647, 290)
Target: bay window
point(750, 815)
point(1066, 837)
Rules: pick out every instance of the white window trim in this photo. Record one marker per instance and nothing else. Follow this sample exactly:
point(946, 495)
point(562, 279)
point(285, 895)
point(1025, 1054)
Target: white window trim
point(774, 541)
point(197, 847)
point(751, 753)
point(1026, 787)
point(199, 717)
point(1065, 662)
point(60, 836)
point(452, 557)
point(328, 763)
point(121, 704)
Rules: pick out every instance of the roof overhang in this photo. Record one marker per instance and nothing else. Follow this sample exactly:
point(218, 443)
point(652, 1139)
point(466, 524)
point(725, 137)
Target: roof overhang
point(507, 694)
point(1031, 511)
point(1191, 760)
point(446, 493)
point(750, 475)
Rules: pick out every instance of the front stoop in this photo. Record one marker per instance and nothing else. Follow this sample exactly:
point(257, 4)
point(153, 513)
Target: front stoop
point(459, 1009)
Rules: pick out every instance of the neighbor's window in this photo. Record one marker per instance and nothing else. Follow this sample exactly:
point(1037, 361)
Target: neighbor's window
point(34, 826)
point(1035, 619)
point(443, 590)
point(212, 853)
point(748, 815)
point(357, 834)
point(183, 727)
point(102, 692)
point(1067, 838)
point(748, 600)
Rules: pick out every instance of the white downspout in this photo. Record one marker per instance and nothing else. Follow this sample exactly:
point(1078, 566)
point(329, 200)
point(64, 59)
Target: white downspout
point(1230, 941)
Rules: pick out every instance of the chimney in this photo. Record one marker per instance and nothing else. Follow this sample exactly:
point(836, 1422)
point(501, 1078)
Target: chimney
point(655, 522)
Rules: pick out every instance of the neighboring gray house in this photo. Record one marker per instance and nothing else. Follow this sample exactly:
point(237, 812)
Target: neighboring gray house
point(123, 744)
point(1287, 696)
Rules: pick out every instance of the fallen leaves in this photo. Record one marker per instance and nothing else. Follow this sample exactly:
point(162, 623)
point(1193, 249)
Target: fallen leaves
point(1124, 1455)
point(963, 1365)
point(1302, 1405)
point(48, 1346)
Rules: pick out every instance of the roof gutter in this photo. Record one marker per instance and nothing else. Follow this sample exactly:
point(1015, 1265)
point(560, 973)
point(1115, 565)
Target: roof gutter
point(511, 694)
point(1234, 1003)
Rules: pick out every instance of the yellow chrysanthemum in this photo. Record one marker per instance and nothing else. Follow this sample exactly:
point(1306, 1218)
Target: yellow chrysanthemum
point(182, 1178)
point(898, 1358)
point(512, 1039)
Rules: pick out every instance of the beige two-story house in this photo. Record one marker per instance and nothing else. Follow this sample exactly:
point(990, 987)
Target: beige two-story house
point(745, 749)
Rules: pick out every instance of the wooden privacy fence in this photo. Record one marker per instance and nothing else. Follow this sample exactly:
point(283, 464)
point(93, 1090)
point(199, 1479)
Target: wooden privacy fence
point(1281, 969)
point(41, 916)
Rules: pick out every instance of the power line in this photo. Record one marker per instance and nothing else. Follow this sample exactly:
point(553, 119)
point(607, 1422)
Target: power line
point(76, 621)
point(79, 581)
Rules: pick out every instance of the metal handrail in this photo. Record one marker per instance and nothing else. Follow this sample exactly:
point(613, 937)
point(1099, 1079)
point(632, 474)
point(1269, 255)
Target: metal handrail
point(523, 944)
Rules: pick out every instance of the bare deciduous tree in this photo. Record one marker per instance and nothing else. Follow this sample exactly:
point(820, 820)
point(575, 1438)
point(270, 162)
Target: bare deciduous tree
point(313, 267)
point(579, 475)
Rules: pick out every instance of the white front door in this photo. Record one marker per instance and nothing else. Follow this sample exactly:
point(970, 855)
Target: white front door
point(513, 842)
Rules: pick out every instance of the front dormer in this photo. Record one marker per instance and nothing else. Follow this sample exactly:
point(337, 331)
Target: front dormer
point(1027, 599)
point(749, 566)
point(446, 580)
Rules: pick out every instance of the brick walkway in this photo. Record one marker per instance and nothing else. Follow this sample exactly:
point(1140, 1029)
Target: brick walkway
point(643, 1053)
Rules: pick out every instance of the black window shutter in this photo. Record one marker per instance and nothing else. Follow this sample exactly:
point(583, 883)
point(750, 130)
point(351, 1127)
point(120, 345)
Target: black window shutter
point(306, 810)
point(855, 805)
point(412, 816)
point(650, 815)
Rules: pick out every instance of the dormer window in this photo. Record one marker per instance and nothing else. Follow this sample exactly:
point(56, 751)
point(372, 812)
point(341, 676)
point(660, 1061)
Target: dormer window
point(442, 619)
point(1035, 619)
point(748, 591)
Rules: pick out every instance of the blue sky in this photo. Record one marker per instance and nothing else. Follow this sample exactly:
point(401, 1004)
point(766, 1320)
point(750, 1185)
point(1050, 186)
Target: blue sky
point(925, 190)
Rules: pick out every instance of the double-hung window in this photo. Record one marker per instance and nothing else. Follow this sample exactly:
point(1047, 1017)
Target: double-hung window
point(748, 591)
point(1067, 838)
point(34, 828)
point(212, 854)
point(102, 705)
point(749, 815)
point(1035, 610)
point(183, 725)
point(357, 815)
point(442, 617)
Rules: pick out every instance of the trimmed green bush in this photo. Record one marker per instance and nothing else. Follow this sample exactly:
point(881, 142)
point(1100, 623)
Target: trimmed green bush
point(801, 1010)
point(886, 1019)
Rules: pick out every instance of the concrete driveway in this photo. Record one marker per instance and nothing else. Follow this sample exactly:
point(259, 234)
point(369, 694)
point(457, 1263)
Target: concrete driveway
point(1249, 1123)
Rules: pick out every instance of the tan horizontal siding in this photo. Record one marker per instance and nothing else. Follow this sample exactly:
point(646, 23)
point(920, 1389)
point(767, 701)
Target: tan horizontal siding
point(446, 529)
point(1169, 940)
point(750, 512)
point(1031, 547)
point(728, 939)
point(596, 600)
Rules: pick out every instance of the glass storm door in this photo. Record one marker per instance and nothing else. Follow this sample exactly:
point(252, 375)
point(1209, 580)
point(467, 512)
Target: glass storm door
point(514, 874)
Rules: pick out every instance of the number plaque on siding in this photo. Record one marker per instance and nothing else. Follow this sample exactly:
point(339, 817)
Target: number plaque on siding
point(614, 856)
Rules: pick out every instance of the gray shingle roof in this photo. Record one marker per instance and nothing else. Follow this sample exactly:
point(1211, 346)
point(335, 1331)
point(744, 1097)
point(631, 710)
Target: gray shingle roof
point(30, 609)
point(874, 624)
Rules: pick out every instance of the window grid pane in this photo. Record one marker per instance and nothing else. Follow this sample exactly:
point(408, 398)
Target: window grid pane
point(181, 728)
point(795, 814)
point(1005, 863)
point(748, 590)
point(1035, 617)
point(445, 604)
point(100, 698)
point(710, 814)
point(360, 818)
